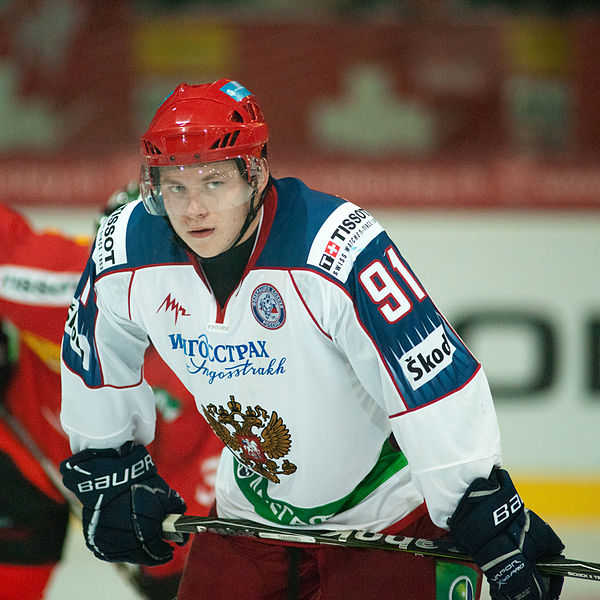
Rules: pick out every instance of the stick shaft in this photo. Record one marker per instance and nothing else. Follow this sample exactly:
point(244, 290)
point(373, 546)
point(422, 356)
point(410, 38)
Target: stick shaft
point(45, 463)
point(440, 548)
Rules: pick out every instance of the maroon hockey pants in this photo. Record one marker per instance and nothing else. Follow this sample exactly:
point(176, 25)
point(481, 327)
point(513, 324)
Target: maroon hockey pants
point(239, 567)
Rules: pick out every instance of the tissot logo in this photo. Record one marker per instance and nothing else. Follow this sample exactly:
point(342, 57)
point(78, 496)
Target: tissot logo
point(332, 249)
point(172, 305)
point(344, 235)
point(110, 249)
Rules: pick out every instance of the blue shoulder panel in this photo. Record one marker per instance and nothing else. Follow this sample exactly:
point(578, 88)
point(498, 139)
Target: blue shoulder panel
point(130, 238)
point(300, 213)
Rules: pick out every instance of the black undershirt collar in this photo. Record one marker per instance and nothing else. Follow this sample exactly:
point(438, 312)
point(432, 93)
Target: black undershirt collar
point(224, 271)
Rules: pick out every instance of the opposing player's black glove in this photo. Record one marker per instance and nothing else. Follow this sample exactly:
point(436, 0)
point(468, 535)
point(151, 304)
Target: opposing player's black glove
point(6, 361)
point(124, 502)
point(505, 539)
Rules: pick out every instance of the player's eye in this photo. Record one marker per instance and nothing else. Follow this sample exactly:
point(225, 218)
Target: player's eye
point(214, 184)
point(175, 188)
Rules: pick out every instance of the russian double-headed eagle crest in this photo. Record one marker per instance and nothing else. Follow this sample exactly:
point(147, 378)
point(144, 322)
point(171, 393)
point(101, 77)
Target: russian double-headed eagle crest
point(256, 438)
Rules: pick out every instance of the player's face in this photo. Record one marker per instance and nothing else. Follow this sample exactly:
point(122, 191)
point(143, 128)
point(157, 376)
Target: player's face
point(207, 204)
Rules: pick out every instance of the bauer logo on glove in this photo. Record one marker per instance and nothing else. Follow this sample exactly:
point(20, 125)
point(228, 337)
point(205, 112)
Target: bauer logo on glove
point(124, 503)
point(141, 467)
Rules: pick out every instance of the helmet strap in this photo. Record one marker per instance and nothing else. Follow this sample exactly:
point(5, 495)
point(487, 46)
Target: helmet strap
point(250, 216)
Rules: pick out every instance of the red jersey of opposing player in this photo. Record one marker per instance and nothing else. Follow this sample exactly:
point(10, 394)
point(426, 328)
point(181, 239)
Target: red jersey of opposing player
point(38, 275)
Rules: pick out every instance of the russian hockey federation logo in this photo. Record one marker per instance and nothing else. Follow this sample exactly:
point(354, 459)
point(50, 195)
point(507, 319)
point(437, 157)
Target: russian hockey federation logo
point(256, 438)
point(267, 306)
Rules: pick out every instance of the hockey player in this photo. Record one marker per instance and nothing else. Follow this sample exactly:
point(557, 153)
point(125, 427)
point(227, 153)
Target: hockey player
point(344, 397)
point(38, 273)
point(38, 276)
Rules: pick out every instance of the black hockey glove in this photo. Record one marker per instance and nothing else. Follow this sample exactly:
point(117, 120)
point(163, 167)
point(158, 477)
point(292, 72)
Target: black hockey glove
point(505, 539)
point(124, 502)
point(6, 361)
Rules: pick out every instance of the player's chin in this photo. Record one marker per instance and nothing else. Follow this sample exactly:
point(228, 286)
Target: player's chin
point(204, 248)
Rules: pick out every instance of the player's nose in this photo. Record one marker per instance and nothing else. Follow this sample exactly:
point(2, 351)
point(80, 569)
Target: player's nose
point(196, 206)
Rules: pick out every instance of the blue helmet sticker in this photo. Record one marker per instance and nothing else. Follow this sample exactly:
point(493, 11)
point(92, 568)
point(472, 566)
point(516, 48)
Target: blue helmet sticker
point(236, 91)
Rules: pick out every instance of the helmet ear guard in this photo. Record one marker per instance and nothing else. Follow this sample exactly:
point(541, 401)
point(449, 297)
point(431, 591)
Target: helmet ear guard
point(255, 172)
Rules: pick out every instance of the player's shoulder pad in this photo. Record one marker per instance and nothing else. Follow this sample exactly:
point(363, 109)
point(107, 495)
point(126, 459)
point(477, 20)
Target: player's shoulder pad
point(130, 237)
point(316, 230)
point(340, 238)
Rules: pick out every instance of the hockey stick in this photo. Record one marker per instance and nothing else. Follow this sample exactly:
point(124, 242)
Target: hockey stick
point(440, 548)
point(45, 463)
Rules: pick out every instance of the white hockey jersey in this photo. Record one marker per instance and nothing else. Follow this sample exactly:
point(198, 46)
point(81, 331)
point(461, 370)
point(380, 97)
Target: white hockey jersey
point(327, 357)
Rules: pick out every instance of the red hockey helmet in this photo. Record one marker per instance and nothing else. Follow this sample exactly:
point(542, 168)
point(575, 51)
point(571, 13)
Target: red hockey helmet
point(205, 123)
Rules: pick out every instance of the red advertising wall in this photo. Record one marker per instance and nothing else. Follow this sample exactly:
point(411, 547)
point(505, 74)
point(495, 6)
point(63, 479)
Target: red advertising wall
point(474, 114)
